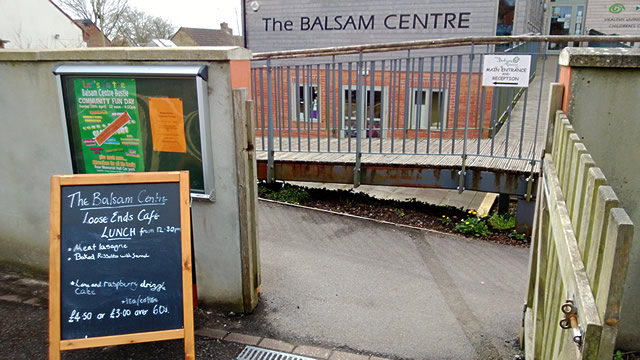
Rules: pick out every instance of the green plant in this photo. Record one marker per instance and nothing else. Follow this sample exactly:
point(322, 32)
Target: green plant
point(517, 236)
point(618, 355)
point(446, 220)
point(263, 191)
point(399, 212)
point(502, 222)
point(290, 195)
point(284, 193)
point(473, 225)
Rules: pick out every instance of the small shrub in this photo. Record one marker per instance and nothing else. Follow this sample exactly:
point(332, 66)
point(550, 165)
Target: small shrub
point(399, 212)
point(473, 225)
point(517, 236)
point(284, 193)
point(290, 195)
point(502, 222)
point(446, 221)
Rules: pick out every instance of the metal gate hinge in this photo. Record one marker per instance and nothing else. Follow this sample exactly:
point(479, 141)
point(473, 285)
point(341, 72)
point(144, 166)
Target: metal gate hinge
point(570, 321)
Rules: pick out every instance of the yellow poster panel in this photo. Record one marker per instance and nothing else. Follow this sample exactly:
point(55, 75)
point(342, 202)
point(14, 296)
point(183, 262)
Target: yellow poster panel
point(167, 124)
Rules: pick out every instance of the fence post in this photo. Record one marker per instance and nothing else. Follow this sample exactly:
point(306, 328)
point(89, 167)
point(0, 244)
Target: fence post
point(359, 106)
point(270, 149)
point(556, 92)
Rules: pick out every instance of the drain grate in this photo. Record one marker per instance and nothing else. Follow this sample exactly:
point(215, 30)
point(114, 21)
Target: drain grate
point(256, 353)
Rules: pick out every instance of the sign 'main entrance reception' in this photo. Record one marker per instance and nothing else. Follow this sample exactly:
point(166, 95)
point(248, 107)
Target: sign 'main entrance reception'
point(506, 70)
point(120, 260)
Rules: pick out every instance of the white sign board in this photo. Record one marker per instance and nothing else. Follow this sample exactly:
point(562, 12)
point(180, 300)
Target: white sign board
point(506, 70)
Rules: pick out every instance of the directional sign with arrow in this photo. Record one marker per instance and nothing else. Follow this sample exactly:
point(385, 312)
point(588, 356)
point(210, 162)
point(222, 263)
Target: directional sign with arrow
point(506, 70)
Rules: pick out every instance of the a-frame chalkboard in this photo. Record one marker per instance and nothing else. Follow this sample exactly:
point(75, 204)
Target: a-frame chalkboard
point(120, 261)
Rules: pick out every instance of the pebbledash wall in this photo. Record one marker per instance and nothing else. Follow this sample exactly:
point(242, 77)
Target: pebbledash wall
point(274, 25)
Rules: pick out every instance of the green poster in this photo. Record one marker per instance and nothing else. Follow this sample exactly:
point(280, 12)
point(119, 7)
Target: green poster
point(109, 125)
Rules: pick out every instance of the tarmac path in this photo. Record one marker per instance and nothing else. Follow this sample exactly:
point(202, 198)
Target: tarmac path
point(352, 283)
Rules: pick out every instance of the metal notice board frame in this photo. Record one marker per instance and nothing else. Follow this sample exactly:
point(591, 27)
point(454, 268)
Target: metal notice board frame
point(188, 83)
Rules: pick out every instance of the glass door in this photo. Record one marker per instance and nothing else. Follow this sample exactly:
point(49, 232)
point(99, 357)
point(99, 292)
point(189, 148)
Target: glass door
point(565, 19)
point(560, 24)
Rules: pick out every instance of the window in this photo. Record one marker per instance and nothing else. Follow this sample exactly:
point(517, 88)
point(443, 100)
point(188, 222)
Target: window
point(421, 117)
point(350, 105)
point(308, 103)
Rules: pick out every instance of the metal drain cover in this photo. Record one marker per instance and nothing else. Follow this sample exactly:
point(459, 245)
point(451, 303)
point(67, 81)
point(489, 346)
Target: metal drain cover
point(256, 353)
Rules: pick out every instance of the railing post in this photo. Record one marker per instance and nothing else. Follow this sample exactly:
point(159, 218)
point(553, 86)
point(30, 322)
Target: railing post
point(462, 174)
point(359, 108)
point(270, 149)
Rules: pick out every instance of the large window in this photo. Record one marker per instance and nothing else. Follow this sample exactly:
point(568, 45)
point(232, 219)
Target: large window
point(428, 111)
point(372, 107)
point(307, 102)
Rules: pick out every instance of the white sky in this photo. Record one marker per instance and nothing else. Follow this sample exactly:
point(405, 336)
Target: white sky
point(195, 13)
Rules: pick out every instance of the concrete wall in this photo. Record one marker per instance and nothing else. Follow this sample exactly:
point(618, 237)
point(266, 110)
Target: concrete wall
point(32, 142)
point(37, 24)
point(603, 106)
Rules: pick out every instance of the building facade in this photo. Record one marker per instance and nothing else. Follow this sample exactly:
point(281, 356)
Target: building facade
point(427, 93)
point(38, 24)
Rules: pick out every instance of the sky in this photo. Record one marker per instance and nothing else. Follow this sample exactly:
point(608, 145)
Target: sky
point(195, 13)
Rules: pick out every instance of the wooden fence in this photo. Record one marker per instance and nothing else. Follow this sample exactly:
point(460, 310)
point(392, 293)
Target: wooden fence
point(579, 257)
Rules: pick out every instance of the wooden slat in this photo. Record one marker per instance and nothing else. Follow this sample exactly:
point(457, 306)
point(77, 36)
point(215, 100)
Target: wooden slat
point(187, 268)
point(572, 179)
point(595, 180)
point(586, 163)
point(606, 201)
point(54, 270)
point(569, 163)
point(540, 287)
point(122, 339)
point(612, 276)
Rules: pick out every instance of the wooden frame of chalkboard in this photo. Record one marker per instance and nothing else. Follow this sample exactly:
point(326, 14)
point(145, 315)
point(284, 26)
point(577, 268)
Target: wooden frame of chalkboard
point(120, 261)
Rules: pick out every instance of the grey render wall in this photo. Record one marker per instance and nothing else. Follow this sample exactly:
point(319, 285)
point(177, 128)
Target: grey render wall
point(603, 108)
point(33, 148)
point(533, 20)
point(481, 22)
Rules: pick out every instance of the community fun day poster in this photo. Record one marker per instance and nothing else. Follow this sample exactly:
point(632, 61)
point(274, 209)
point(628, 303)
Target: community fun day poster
point(109, 125)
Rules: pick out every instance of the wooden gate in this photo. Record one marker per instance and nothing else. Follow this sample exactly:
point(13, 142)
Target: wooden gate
point(579, 257)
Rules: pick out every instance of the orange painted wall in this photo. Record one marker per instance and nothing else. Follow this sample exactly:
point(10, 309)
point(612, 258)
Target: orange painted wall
point(241, 74)
point(565, 79)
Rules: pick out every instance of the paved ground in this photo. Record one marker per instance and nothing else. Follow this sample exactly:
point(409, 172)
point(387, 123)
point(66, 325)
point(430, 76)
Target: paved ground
point(334, 287)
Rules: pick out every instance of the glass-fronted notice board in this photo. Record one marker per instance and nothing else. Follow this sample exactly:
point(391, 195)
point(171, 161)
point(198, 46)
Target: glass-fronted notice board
point(124, 119)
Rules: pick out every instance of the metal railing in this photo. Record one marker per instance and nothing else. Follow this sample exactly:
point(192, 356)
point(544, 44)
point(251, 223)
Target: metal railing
point(414, 98)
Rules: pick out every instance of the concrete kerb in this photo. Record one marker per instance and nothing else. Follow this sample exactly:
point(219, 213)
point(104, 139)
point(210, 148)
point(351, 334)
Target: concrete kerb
point(277, 345)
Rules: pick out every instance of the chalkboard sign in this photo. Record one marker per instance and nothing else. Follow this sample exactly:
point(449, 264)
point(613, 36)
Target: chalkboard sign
point(120, 259)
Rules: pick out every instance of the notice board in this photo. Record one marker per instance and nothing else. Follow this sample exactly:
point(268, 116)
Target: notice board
point(126, 119)
point(120, 260)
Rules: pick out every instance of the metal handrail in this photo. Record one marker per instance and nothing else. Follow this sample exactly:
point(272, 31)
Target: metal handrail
point(438, 43)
